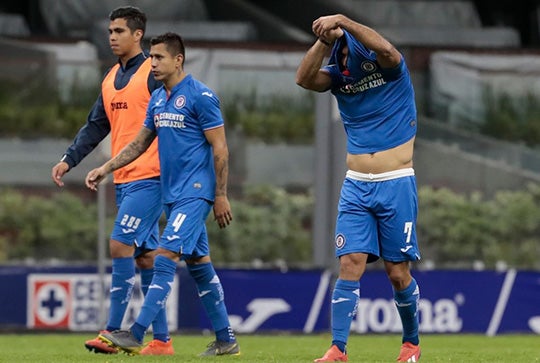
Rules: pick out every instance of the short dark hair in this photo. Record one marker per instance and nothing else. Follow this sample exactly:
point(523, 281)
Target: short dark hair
point(135, 18)
point(173, 42)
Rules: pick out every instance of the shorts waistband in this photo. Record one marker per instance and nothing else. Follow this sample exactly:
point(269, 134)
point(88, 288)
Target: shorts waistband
point(389, 175)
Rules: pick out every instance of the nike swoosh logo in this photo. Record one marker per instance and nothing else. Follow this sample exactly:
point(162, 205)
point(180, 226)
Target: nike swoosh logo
point(113, 289)
point(173, 237)
point(128, 230)
point(406, 249)
point(338, 300)
point(207, 94)
point(205, 292)
point(155, 286)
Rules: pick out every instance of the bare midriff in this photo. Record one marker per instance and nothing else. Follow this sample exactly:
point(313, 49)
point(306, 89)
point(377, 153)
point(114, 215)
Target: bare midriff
point(399, 157)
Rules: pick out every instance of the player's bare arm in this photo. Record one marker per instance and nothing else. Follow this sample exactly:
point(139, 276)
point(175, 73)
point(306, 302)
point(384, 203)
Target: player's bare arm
point(132, 151)
point(128, 154)
point(222, 208)
point(309, 74)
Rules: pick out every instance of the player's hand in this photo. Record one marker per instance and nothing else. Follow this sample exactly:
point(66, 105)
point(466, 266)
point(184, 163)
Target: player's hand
point(222, 211)
point(58, 172)
point(327, 27)
point(331, 35)
point(94, 177)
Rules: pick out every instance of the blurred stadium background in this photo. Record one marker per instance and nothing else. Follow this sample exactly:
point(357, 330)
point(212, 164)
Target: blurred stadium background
point(473, 64)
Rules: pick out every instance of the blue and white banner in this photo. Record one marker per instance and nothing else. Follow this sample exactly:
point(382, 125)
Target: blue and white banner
point(74, 302)
point(487, 302)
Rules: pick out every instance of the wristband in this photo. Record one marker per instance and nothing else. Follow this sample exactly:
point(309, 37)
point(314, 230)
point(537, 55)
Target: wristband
point(323, 41)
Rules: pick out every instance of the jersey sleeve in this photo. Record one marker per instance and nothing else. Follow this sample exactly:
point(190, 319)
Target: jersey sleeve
point(391, 74)
point(208, 110)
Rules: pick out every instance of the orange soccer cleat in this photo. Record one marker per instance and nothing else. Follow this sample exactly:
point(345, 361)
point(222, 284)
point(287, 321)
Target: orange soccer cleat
point(333, 355)
point(409, 353)
point(157, 347)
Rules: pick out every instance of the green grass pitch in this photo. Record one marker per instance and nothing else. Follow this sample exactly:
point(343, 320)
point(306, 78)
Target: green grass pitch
point(69, 348)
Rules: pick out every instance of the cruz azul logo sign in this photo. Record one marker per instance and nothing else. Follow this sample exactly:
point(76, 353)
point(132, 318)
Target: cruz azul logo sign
point(50, 304)
point(77, 301)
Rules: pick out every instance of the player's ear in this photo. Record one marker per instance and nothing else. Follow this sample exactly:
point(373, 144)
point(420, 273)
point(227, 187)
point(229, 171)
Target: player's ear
point(138, 34)
point(180, 59)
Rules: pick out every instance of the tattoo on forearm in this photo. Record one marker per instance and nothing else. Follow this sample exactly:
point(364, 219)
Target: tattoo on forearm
point(131, 152)
point(222, 172)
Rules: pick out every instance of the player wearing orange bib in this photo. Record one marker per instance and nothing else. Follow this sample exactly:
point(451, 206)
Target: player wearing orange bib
point(120, 110)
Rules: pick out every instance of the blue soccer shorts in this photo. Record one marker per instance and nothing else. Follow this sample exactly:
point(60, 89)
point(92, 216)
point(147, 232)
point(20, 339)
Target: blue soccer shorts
point(139, 209)
point(185, 232)
point(377, 216)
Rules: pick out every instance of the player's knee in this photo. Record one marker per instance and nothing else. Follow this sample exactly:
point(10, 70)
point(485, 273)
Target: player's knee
point(352, 266)
point(118, 249)
point(400, 278)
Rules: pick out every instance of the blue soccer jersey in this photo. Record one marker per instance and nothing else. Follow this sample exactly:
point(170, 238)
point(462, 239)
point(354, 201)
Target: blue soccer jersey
point(179, 121)
point(376, 105)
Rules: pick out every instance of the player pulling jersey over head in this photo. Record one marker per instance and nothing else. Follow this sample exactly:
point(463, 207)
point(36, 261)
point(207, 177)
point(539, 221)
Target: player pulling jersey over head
point(376, 104)
point(378, 203)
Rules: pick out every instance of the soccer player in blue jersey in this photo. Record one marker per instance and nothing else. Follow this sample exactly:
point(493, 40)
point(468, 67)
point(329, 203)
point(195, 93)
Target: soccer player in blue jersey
point(186, 118)
point(378, 203)
point(120, 110)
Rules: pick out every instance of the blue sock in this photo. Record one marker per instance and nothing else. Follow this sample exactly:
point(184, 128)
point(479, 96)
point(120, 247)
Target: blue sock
point(156, 297)
point(344, 304)
point(407, 304)
point(159, 325)
point(212, 298)
point(122, 281)
point(146, 279)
